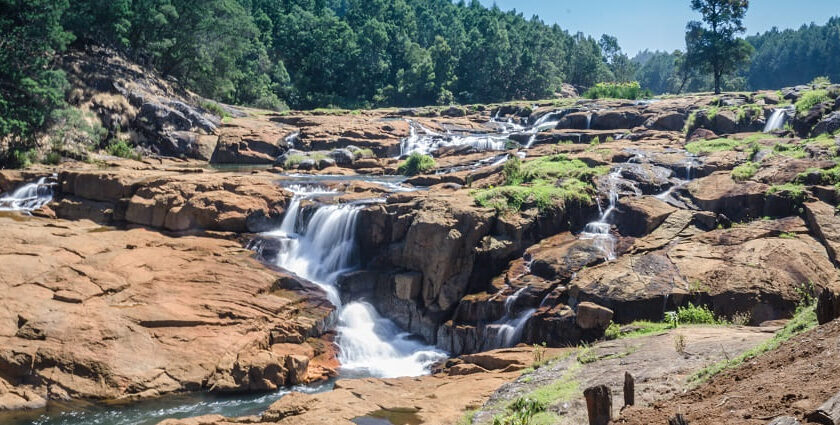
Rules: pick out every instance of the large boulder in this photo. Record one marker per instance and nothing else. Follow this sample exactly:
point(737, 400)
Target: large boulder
point(829, 124)
point(617, 119)
point(638, 216)
point(667, 121)
point(250, 142)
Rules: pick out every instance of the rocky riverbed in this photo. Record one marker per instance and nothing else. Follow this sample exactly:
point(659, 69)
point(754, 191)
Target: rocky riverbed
point(269, 249)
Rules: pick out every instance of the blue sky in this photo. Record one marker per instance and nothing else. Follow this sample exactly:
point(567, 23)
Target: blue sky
point(660, 24)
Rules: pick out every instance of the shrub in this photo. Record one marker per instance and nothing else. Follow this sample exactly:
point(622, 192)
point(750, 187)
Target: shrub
point(821, 81)
point(364, 153)
point(810, 99)
point(51, 158)
point(121, 149)
point(270, 102)
point(695, 315)
point(631, 90)
point(416, 163)
point(20, 158)
point(744, 171)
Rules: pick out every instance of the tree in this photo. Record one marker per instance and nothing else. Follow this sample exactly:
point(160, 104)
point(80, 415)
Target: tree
point(715, 47)
point(30, 87)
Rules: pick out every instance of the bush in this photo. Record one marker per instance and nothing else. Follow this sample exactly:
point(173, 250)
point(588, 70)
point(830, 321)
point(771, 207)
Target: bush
point(416, 163)
point(631, 90)
point(744, 171)
point(810, 99)
point(121, 149)
point(821, 81)
point(790, 150)
point(695, 315)
point(20, 158)
point(271, 103)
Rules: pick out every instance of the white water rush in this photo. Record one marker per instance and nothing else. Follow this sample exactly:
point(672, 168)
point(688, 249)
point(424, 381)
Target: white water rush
point(320, 250)
point(28, 197)
point(778, 118)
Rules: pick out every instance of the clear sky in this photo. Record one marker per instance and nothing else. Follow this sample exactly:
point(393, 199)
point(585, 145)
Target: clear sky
point(660, 24)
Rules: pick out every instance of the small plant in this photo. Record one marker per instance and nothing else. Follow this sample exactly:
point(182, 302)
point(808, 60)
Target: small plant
point(121, 149)
point(539, 355)
point(821, 81)
point(741, 319)
point(806, 295)
point(416, 163)
point(809, 99)
point(695, 315)
point(787, 235)
point(51, 158)
point(679, 343)
point(364, 153)
point(522, 411)
point(586, 354)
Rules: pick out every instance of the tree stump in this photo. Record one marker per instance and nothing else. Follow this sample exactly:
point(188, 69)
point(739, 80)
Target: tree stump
point(828, 413)
point(828, 306)
point(629, 390)
point(678, 420)
point(598, 404)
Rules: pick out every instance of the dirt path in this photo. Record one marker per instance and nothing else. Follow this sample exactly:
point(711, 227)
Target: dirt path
point(659, 370)
point(790, 381)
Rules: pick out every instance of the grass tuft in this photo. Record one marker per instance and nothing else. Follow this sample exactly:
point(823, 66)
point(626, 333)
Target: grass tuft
point(416, 163)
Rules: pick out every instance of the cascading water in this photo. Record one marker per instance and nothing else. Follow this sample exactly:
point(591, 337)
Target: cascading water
point(599, 231)
point(28, 197)
point(322, 249)
point(507, 331)
point(589, 121)
point(425, 141)
point(777, 119)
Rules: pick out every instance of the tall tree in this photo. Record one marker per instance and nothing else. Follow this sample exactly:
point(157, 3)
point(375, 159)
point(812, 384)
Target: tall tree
point(715, 47)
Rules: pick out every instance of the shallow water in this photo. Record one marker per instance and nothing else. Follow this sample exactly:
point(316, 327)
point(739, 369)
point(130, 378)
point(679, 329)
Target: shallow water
point(153, 411)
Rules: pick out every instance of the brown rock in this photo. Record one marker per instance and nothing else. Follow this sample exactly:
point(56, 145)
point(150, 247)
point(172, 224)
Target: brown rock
point(593, 316)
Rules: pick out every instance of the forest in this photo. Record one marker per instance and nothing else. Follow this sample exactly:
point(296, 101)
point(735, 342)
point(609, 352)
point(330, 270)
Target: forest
point(305, 54)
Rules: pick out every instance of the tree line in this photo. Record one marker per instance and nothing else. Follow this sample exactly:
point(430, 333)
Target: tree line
point(775, 59)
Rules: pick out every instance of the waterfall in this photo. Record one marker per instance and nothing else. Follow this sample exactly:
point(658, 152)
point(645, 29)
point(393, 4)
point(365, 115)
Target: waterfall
point(777, 119)
point(321, 249)
point(28, 197)
point(589, 121)
point(291, 139)
point(508, 329)
point(599, 230)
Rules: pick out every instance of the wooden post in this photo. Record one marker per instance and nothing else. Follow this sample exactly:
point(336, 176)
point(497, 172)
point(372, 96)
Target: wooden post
point(679, 419)
point(828, 413)
point(629, 390)
point(598, 404)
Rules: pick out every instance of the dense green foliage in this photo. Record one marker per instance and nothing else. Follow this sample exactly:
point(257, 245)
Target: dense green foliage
point(416, 163)
point(629, 90)
point(780, 59)
point(30, 87)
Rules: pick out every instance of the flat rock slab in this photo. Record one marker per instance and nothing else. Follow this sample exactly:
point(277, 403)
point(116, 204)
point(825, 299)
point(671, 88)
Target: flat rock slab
point(92, 312)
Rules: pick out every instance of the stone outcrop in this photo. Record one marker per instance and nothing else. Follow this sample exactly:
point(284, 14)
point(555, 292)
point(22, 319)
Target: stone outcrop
point(93, 312)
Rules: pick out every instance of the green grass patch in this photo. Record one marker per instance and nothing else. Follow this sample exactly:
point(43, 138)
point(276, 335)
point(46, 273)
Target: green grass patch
point(467, 417)
point(546, 183)
point(824, 176)
point(631, 90)
point(745, 171)
point(364, 153)
point(714, 145)
point(810, 99)
point(825, 140)
point(792, 191)
point(805, 319)
point(635, 329)
point(790, 150)
point(215, 109)
point(294, 160)
point(542, 194)
point(416, 163)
